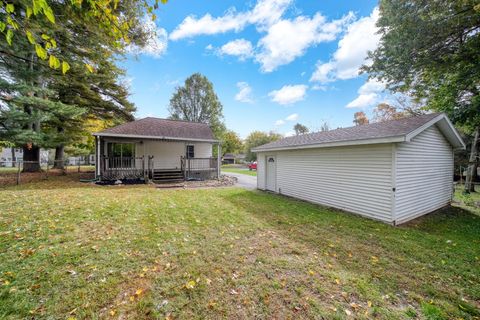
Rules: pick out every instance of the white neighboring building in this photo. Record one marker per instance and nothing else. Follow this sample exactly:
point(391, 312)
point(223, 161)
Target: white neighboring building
point(6, 159)
point(392, 171)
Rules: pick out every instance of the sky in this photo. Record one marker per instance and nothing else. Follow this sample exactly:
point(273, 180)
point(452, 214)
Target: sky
point(272, 63)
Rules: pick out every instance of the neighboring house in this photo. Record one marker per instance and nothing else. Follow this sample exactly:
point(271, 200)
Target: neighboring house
point(231, 158)
point(81, 160)
point(391, 171)
point(9, 159)
point(158, 149)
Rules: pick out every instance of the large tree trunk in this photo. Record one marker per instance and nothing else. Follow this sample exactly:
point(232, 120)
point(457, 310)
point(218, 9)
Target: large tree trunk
point(14, 159)
point(472, 163)
point(59, 157)
point(31, 159)
point(474, 177)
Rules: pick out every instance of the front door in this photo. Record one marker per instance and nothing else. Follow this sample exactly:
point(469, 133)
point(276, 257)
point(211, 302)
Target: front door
point(271, 173)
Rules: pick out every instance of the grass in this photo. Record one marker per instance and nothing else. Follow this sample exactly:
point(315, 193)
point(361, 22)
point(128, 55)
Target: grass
point(241, 171)
point(469, 201)
point(72, 250)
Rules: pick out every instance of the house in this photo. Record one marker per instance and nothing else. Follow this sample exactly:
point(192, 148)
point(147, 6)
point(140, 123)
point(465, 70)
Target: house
point(391, 171)
point(10, 157)
point(157, 149)
point(231, 158)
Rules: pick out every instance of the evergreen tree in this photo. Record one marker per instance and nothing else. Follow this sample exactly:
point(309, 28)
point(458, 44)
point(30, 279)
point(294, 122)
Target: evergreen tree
point(49, 100)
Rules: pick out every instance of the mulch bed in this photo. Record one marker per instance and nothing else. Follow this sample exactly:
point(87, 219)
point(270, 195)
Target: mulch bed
point(224, 181)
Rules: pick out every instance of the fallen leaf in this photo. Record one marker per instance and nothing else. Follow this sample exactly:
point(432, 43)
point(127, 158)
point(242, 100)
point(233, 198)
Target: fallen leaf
point(190, 284)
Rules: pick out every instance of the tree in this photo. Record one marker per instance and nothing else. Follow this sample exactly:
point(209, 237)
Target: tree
point(360, 118)
point(36, 86)
point(35, 21)
point(386, 112)
point(197, 101)
point(300, 129)
point(231, 142)
point(324, 127)
point(442, 67)
point(258, 138)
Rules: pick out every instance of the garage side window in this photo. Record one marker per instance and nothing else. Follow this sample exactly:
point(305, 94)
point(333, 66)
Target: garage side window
point(190, 152)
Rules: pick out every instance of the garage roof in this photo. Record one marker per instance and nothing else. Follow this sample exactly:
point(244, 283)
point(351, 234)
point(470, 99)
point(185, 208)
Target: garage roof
point(381, 132)
point(156, 128)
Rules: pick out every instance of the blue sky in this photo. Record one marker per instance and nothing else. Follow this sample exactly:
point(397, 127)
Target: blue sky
point(273, 63)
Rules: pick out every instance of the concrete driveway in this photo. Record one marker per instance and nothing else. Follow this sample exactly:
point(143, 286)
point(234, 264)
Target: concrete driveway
point(243, 180)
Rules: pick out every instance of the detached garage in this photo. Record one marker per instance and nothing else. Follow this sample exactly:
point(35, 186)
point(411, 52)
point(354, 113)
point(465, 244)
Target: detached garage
point(392, 171)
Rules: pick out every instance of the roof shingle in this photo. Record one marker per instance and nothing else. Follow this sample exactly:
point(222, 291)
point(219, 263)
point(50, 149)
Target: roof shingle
point(161, 128)
point(387, 129)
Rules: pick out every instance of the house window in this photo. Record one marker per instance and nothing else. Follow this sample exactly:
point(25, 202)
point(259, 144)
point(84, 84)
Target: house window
point(121, 155)
point(190, 152)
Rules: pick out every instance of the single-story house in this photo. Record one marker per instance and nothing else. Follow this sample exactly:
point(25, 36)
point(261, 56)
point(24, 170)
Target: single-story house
point(392, 171)
point(157, 149)
point(232, 158)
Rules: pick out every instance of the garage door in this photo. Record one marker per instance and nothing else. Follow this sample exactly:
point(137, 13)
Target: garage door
point(271, 173)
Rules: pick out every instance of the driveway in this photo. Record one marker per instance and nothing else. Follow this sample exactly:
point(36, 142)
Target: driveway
point(243, 180)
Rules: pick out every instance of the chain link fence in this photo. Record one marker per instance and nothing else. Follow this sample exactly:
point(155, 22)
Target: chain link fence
point(18, 172)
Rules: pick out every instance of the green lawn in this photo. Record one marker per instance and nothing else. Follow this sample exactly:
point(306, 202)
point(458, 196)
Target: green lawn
point(240, 170)
point(76, 251)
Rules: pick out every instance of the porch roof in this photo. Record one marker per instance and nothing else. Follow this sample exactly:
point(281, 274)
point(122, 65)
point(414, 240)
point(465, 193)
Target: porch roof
point(163, 129)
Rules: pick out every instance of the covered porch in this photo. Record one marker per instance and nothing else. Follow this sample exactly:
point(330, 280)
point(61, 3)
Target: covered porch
point(155, 159)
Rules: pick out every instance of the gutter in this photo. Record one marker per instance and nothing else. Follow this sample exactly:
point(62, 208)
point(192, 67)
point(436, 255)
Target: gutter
point(115, 135)
point(335, 144)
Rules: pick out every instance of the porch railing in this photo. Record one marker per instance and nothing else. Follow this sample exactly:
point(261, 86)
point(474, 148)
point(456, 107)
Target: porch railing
point(117, 168)
point(199, 168)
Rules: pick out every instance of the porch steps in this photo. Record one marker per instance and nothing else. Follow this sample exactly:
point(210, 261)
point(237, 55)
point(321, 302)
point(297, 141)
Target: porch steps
point(167, 176)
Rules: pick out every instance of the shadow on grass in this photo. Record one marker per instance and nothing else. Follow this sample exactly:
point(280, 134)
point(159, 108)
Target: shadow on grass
point(433, 257)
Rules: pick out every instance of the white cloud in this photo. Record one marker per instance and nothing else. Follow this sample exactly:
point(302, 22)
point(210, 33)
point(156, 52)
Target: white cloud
point(209, 47)
point(245, 92)
point(284, 41)
point(292, 117)
point(264, 13)
point(363, 100)
point(288, 39)
point(318, 87)
point(241, 48)
point(289, 94)
point(156, 45)
point(368, 94)
point(352, 51)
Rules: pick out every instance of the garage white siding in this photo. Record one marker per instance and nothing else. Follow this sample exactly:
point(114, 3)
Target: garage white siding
point(261, 171)
point(424, 175)
point(355, 178)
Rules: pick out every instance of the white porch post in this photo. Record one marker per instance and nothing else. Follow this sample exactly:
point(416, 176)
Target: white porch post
point(219, 159)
